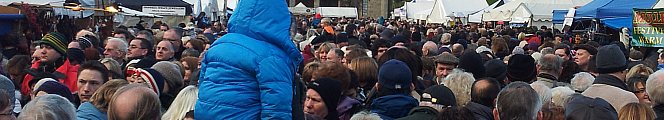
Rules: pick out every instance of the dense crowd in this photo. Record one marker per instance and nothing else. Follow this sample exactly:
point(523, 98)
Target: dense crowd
point(253, 67)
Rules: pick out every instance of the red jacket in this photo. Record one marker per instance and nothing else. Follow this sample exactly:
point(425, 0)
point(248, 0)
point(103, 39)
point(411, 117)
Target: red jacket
point(70, 72)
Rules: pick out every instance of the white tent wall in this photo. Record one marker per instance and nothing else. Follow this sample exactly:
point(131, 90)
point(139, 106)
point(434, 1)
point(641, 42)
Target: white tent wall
point(419, 9)
point(540, 10)
point(350, 12)
point(444, 9)
point(477, 16)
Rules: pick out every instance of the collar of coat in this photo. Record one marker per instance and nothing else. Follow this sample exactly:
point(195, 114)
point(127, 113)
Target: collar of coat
point(610, 80)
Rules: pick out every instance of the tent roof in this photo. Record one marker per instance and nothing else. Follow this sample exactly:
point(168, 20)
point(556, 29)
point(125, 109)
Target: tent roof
point(660, 4)
point(138, 4)
point(477, 16)
point(419, 9)
point(337, 12)
point(559, 16)
point(540, 9)
point(611, 8)
point(130, 12)
point(443, 9)
point(301, 5)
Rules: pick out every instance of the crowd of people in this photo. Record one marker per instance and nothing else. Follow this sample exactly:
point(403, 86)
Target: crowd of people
point(253, 67)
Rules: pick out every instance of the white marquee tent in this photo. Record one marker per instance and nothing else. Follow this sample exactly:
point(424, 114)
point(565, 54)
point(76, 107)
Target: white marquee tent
point(536, 12)
point(349, 12)
point(477, 16)
point(444, 10)
point(419, 9)
point(301, 9)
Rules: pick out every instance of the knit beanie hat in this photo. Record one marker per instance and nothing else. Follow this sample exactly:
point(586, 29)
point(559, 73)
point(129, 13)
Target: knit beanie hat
point(439, 94)
point(521, 68)
point(581, 107)
point(394, 75)
point(153, 79)
point(52, 87)
point(518, 50)
point(55, 40)
point(171, 73)
point(330, 91)
point(496, 68)
point(610, 59)
point(8, 86)
point(472, 62)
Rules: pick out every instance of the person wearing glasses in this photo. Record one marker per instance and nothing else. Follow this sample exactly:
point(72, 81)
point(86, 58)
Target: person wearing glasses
point(174, 36)
point(140, 51)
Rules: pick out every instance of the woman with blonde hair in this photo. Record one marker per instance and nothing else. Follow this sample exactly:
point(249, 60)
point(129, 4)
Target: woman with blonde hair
point(366, 70)
point(113, 67)
point(321, 52)
point(639, 69)
point(183, 103)
point(636, 111)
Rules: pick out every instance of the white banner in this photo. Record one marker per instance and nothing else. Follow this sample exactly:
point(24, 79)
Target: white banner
point(164, 10)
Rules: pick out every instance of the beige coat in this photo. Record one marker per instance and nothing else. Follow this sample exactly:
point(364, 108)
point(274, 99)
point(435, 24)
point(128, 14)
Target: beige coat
point(615, 96)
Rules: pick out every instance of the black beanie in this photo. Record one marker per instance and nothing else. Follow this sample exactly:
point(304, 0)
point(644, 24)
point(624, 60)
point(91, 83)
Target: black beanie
point(330, 91)
point(496, 69)
point(610, 59)
point(521, 68)
point(471, 62)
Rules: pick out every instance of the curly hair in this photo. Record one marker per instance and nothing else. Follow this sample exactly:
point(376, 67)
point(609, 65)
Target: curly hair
point(460, 83)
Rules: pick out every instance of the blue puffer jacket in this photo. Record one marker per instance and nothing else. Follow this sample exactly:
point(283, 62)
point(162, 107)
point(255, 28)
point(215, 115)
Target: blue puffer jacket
point(247, 74)
point(391, 107)
point(87, 111)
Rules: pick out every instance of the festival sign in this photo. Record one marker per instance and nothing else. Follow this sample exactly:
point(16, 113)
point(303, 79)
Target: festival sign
point(164, 10)
point(648, 28)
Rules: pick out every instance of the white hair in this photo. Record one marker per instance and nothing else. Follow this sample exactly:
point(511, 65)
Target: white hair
point(582, 81)
point(123, 44)
point(365, 115)
point(560, 95)
point(460, 83)
point(183, 103)
point(543, 91)
point(48, 107)
point(654, 86)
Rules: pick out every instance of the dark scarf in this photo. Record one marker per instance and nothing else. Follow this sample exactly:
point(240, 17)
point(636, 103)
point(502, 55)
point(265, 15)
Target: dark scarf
point(610, 80)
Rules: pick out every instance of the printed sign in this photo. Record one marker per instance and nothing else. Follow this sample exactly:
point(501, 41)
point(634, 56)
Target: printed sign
point(164, 10)
point(648, 28)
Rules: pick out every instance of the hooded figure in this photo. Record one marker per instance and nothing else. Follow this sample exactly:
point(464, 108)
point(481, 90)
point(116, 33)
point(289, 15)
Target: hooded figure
point(257, 76)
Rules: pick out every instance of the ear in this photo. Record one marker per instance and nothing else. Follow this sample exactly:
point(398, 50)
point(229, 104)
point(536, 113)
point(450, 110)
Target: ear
point(540, 115)
point(495, 114)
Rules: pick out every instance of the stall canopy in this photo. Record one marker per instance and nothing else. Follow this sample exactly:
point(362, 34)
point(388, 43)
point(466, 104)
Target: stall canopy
point(443, 10)
point(660, 4)
point(301, 9)
point(59, 10)
point(138, 4)
point(349, 12)
point(129, 12)
point(559, 16)
point(419, 9)
point(537, 10)
point(601, 9)
point(613, 13)
point(477, 16)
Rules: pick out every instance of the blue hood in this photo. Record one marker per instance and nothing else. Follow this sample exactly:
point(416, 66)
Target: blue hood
point(393, 106)
point(87, 111)
point(264, 21)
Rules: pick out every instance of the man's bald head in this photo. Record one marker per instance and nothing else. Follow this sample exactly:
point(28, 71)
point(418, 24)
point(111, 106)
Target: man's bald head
point(485, 91)
point(134, 102)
